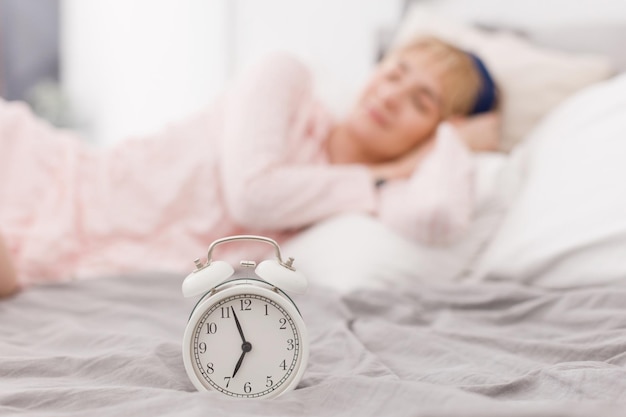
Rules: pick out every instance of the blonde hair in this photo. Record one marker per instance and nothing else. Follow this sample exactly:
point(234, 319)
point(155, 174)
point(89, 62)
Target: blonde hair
point(461, 80)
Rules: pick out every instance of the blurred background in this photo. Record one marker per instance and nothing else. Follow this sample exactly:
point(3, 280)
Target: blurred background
point(118, 68)
point(113, 69)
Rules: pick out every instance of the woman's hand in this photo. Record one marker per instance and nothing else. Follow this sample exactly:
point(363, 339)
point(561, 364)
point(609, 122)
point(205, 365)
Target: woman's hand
point(404, 166)
point(480, 133)
point(8, 276)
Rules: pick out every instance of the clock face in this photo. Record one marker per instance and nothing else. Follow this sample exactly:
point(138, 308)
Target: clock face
point(246, 345)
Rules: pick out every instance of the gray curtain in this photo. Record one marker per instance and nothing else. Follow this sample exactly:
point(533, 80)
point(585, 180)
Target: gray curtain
point(29, 45)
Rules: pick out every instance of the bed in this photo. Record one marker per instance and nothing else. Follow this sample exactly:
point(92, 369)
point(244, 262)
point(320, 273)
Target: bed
point(524, 317)
point(113, 347)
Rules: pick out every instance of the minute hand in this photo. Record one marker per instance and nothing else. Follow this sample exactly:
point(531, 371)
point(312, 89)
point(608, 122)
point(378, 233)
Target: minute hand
point(243, 338)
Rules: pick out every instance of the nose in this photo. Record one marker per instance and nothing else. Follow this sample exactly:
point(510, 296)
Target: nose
point(389, 95)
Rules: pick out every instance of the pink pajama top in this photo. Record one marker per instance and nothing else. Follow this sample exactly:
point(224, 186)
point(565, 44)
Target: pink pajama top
point(254, 162)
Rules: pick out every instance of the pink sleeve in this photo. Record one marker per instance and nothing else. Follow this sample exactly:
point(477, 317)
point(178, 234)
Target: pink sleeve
point(435, 205)
point(262, 188)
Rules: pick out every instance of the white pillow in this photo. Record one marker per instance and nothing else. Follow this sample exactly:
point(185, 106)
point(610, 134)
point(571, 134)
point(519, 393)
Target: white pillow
point(355, 251)
point(532, 80)
point(567, 226)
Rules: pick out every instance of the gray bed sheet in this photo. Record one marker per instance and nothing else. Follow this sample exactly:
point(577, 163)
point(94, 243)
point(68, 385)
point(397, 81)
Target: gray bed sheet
point(112, 347)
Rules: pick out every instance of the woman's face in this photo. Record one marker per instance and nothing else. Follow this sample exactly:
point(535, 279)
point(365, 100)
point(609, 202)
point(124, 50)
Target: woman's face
point(400, 106)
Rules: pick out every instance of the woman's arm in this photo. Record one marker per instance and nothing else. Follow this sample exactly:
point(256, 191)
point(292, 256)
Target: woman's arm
point(480, 133)
point(262, 188)
point(435, 205)
point(403, 167)
point(8, 276)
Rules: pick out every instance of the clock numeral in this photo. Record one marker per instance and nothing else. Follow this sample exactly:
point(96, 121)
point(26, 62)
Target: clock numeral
point(266, 313)
point(202, 347)
point(211, 328)
point(290, 344)
point(247, 388)
point(269, 382)
point(209, 368)
point(246, 305)
point(283, 365)
point(227, 379)
point(283, 322)
point(225, 312)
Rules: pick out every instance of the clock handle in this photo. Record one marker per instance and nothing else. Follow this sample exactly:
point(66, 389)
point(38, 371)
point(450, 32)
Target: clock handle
point(272, 242)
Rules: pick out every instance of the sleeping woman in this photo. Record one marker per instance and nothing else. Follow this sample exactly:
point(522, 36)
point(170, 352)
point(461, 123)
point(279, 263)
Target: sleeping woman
point(266, 158)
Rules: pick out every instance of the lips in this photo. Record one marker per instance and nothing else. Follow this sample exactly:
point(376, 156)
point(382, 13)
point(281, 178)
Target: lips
point(376, 116)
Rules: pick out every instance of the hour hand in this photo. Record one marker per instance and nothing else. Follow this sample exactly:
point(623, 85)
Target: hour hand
point(239, 363)
point(245, 348)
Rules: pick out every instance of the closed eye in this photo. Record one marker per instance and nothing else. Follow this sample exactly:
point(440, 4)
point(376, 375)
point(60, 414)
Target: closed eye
point(425, 99)
point(418, 103)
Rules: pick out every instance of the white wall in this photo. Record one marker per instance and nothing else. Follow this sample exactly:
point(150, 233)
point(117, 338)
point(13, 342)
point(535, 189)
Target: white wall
point(338, 39)
point(534, 13)
point(130, 66)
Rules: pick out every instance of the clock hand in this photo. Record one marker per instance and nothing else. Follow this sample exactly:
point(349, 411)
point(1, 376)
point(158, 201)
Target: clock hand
point(245, 348)
point(243, 338)
point(239, 363)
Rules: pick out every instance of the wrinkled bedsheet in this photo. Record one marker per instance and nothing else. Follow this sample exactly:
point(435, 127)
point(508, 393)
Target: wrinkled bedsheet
point(112, 347)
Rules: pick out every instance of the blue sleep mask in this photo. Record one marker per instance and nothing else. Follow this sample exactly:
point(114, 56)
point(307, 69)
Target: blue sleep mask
point(486, 98)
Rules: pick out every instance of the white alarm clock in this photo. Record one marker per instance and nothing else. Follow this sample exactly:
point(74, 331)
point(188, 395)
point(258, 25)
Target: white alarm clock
point(245, 337)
